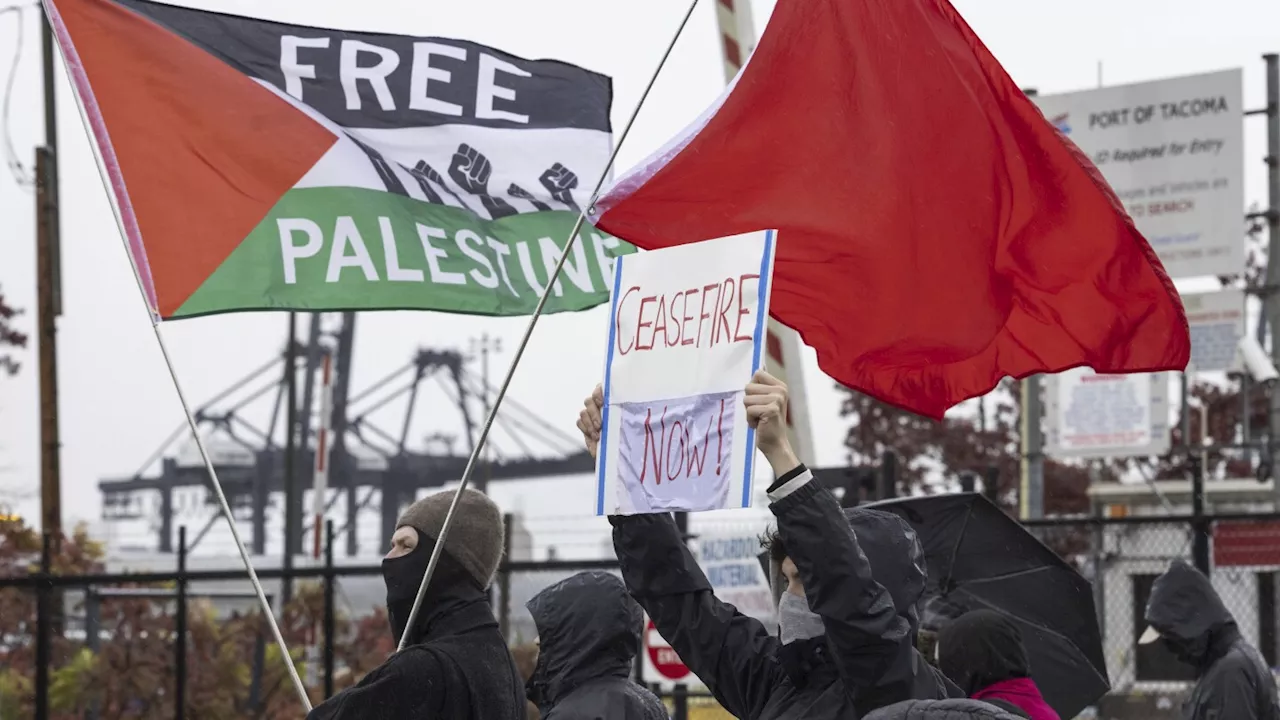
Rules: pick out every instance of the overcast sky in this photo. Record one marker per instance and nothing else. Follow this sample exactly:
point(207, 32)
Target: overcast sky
point(117, 402)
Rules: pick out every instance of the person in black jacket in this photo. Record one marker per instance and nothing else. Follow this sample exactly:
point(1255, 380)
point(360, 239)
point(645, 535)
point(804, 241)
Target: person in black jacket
point(847, 642)
point(588, 634)
point(982, 652)
point(943, 710)
point(1233, 682)
point(456, 664)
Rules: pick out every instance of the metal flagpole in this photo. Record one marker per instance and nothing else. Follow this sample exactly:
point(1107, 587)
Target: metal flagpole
point(177, 386)
point(226, 512)
point(528, 332)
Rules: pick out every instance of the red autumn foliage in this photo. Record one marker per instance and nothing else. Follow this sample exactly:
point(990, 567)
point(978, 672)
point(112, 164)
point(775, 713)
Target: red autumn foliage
point(10, 337)
point(131, 674)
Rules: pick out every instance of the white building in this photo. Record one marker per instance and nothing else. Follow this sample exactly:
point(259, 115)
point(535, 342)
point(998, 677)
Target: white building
point(1245, 558)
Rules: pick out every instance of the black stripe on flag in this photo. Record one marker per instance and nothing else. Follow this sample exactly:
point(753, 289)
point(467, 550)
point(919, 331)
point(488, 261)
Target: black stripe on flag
point(381, 81)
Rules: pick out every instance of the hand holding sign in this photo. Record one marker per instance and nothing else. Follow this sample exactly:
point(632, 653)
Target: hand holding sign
point(676, 430)
point(589, 419)
point(765, 400)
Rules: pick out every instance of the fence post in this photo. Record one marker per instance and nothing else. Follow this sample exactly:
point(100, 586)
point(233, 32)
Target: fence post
point(1098, 541)
point(1200, 524)
point(887, 479)
point(43, 589)
point(329, 581)
point(180, 631)
point(991, 484)
point(504, 579)
point(92, 636)
point(259, 661)
point(680, 698)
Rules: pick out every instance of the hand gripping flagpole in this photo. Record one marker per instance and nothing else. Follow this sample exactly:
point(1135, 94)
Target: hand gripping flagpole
point(71, 59)
point(528, 333)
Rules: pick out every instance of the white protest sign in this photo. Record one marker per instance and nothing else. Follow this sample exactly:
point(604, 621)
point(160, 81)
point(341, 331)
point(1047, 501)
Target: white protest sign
point(1093, 416)
point(1173, 150)
point(1216, 320)
point(686, 333)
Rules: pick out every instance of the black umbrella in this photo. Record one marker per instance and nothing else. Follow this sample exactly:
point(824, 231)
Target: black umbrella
point(979, 557)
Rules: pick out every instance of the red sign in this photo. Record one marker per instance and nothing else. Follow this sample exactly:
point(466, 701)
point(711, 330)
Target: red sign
point(1246, 543)
point(664, 659)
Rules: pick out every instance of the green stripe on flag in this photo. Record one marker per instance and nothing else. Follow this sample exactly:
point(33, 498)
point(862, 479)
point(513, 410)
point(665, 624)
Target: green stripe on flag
point(330, 248)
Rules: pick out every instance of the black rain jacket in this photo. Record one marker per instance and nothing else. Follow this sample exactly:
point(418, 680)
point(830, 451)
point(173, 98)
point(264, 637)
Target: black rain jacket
point(867, 658)
point(1233, 682)
point(942, 710)
point(455, 666)
point(588, 633)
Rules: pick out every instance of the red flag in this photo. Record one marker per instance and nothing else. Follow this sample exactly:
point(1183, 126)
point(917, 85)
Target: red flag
point(936, 233)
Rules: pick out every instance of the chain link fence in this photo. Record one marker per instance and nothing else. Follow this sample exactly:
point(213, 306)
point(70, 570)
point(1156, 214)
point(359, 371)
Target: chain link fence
point(144, 646)
point(1123, 556)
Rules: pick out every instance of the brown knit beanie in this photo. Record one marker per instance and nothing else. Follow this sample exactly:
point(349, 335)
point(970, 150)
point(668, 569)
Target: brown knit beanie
point(475, 537)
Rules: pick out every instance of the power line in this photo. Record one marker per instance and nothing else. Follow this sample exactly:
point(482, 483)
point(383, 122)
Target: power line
point(20, 173)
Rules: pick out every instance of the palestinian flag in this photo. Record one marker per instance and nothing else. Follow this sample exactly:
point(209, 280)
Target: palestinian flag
point(257, 165)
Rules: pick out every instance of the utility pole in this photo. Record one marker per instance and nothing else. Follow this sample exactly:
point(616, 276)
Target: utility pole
point(1031, 493)
point(1272, 291)
point(1031, 485)
point(48, 301)
point(482, 346)
point(50, 483)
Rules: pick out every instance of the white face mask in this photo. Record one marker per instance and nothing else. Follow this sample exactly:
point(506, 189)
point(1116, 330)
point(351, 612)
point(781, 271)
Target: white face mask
point(796, 621)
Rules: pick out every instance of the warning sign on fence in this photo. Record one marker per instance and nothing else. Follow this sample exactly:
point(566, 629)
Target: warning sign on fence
point(1088, 415)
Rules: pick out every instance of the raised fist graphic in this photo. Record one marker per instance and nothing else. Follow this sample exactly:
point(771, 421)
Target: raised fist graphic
point(425, 175)
point(385, 172)
point(471, 170)
point(516, 191)
point(560, 182)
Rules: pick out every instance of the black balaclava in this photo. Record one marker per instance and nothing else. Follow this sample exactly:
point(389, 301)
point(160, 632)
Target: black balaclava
point(452, 587)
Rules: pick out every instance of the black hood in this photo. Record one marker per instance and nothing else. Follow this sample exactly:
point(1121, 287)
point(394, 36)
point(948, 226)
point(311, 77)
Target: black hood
point(980, 649)
point(894, 553)
point(588, 627)
point(897, 560)
point(1187, 612)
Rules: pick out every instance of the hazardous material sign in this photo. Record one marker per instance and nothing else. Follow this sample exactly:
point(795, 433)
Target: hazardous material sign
point(1088, 415)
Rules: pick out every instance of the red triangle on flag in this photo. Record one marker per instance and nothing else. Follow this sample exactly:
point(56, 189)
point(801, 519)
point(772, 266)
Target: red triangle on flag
point(935, 233)
point(198, 152)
